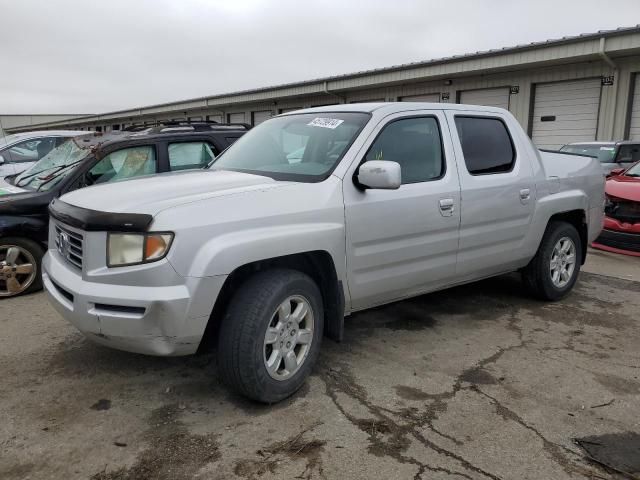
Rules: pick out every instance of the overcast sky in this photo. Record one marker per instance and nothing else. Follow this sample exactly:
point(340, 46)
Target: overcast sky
point(83, 56)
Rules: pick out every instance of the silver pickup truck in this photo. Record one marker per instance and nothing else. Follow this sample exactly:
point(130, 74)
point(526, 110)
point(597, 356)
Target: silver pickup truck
point(309, 217)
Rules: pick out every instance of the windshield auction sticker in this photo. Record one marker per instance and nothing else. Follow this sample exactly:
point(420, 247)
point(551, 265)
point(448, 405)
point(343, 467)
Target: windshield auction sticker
point(331, 123)
point(10, 190)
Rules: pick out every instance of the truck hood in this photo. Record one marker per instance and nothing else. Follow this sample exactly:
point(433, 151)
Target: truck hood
point(627, 188)
point(151, 194)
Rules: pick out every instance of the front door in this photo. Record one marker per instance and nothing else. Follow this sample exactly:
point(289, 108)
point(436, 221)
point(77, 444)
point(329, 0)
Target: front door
point(404, 242)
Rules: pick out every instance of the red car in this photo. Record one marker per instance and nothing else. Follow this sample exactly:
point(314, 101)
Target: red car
point(621, 232)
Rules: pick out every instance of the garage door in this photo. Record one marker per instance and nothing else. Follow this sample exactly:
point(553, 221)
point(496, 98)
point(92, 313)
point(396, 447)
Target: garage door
point(565, 112)
point(261, 116)
point(432, 97)
point(236, 117)
point(371, 100)
point(634, 127)
point(490, 97)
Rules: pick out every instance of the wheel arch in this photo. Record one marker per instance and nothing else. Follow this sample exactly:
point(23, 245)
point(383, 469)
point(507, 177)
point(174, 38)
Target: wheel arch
point(577, 218)
point(318, 264)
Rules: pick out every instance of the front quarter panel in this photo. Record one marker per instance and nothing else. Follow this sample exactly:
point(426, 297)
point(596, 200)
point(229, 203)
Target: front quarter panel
point(216, 236)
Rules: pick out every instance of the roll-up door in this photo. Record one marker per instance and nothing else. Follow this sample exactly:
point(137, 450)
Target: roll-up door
point(261, 116)
point(372, 100)
point(236, 117)
point(490, 97)
point(565, 112)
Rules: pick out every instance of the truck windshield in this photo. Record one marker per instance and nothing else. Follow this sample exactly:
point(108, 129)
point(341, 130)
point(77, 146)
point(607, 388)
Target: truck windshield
point(604, 153)
point(53, 167)
point(300, 147)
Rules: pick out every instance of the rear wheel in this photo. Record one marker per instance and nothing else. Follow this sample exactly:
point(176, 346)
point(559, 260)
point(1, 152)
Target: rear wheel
point(270, 337)
point(20, 263)
point(554, 270)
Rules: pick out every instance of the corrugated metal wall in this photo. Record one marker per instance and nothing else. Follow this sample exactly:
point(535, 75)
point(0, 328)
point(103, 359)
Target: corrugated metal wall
point(615, 119)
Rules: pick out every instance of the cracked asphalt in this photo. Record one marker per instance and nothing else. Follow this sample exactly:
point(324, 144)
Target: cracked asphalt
point(476, 382)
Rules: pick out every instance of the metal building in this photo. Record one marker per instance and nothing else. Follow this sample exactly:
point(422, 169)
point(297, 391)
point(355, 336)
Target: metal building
point(579, 88)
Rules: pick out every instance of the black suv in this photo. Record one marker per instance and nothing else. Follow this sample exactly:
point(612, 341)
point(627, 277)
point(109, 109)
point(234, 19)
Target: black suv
point(88, 160)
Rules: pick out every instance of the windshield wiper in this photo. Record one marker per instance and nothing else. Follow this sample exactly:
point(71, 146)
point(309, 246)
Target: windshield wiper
point(61, 167)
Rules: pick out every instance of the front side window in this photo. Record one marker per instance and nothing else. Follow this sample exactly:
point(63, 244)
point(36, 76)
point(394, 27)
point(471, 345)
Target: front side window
point(303, 147)
point(187, 155)
point(415, 144)
point(123, 164)
point(29, 150)
point(486, 145)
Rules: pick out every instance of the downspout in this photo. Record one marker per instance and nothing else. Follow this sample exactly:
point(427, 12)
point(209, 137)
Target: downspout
point(328, 92)
point(607, 59)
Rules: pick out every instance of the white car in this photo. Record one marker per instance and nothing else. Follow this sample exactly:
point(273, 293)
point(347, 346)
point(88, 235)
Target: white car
point(21, 150)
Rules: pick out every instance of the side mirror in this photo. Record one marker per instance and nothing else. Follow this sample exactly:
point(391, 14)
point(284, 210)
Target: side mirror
point(380, 174)
point(616, 171)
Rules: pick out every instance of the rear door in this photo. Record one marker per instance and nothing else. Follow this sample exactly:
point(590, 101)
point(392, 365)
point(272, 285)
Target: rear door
point(497, 193)
point(404, 242)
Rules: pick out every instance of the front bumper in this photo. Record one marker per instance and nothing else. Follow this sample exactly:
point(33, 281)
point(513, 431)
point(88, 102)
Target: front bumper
point(153, 320)
point(619, 237)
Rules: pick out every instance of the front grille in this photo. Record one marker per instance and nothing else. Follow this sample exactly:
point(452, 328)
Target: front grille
point(69, 245)
point(625, 211)
point(621, 240)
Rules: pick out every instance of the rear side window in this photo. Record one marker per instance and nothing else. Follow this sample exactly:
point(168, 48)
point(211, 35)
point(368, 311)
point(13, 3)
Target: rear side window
point(628, 153)
point(415, 144)
point(486, 145)
point(186, 155)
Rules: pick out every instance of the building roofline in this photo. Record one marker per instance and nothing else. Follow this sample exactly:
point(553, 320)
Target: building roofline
point(376, 71)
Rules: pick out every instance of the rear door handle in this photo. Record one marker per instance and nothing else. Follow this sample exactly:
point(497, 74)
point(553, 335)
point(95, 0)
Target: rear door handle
point(447, 207)
point(525, 195)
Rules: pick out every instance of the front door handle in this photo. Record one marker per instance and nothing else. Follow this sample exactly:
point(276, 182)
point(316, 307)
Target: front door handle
point(446, 207)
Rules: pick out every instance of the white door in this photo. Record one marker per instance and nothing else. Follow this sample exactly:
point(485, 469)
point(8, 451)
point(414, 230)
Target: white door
point(634, 127)
point(565, 112)
point(431, 98)
point(490, 97)
point(370, 100)
point(261, 116)
point(236, 117)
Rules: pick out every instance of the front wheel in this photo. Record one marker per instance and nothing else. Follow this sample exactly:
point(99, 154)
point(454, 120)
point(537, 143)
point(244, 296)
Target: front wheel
point(270, 336)
point(20, 263)
point(554, 270)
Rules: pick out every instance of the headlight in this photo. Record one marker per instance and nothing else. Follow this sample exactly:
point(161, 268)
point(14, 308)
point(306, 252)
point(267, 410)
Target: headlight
point(135, 248)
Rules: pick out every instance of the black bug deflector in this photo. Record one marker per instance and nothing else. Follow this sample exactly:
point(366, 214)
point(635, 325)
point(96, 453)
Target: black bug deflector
point(94, 221)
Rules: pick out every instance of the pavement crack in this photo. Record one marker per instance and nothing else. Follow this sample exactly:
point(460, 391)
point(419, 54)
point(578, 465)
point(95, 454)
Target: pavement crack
point(389, 438)
point(555, 450)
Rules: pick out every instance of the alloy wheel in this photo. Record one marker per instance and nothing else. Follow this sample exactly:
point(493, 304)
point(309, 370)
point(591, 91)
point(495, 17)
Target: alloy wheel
point(17, 270)
point(288, 338)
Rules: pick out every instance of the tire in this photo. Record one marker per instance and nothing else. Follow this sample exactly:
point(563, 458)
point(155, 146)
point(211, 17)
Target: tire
point(538, 276)
point(244, 349)
point(30, 253)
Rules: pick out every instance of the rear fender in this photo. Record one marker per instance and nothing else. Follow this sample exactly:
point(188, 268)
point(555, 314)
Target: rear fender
point(547, 207)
